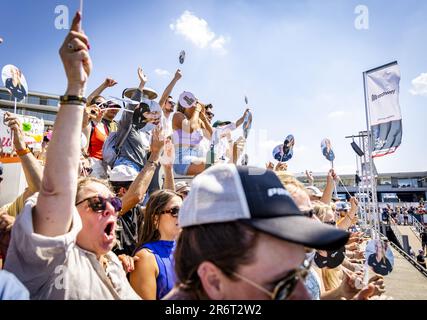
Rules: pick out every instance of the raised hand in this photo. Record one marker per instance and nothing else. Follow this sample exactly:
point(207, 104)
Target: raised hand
point(75, 58)
point(109, 82)
point(156, 143)
point(309, 176)
point(15, 125)
point(178, 75)
point(142, 77)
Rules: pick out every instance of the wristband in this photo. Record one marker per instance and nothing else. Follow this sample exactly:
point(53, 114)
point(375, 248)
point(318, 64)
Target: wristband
point(23, 152)
point(73, 100)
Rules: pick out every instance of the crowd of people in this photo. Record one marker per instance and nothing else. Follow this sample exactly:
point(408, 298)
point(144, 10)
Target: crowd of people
point(97, 222)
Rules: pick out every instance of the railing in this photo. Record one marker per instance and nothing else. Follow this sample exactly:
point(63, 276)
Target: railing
point(407, 256)
point(410, 260)
point(418, 227)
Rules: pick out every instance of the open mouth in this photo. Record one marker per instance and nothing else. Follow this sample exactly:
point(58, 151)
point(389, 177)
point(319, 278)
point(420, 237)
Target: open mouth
point(109, 231)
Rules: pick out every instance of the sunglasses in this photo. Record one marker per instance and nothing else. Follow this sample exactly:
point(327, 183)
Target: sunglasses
point(99, 203)
point(174, 212)
point(171, 103)
point(285, 287)
point(210, 114)
point(332, 223)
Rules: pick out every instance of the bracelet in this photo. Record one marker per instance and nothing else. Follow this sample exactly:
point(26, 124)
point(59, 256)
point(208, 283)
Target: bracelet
point(23, 152)
point(73, 100)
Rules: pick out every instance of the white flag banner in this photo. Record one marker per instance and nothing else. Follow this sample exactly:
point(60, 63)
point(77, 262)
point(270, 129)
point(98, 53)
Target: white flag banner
point(382, 93)
point(32, 127)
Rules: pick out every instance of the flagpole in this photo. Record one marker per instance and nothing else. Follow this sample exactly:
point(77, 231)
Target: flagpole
point(373, 197)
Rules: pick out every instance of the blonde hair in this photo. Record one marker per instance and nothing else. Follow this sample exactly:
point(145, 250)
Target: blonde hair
point(321, 210)
point(84, 181)
point(287, 178)
point(332, 278)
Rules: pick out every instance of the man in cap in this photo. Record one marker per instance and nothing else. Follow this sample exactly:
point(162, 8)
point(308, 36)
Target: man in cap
point(96, 98)
point(244, 238)
point(135, 127)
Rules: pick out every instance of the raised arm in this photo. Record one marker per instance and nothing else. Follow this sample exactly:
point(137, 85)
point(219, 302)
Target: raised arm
point(108, 83)
point(56, 201)
point(205, 124)
point(329, 189)
point(33, 170)
point(126, 119)
point(195, 117)
point(169, 88)
point(139, 187)
point(240, 121)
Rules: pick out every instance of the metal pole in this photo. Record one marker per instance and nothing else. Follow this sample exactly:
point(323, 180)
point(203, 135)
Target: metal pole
point(370, 149)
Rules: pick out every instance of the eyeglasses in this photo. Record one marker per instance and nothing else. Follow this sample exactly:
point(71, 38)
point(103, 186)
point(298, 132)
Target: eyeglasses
point(99, 203)
point(174, 212)
point(210, 114)
point(285, 287)
point(171, 103)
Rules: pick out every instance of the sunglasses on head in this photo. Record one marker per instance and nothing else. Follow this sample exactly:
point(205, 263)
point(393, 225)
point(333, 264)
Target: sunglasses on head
point(174, 212)
point(99, 203)
point(285, 287)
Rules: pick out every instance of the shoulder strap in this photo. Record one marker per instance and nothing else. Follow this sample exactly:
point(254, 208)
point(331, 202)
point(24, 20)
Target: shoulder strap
point(92, 129)
point(120, 143)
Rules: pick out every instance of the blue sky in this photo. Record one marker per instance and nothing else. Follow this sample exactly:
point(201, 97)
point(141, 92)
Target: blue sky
point(299, 62)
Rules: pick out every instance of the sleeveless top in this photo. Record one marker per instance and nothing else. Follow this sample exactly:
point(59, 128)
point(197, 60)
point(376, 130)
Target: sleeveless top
point(96, 142)
point(181, 137)
point(163, 252)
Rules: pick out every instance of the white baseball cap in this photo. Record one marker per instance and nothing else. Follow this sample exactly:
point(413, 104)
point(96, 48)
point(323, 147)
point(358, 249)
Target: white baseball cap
point(123, 173)
point(187, 100)
point(227, 193)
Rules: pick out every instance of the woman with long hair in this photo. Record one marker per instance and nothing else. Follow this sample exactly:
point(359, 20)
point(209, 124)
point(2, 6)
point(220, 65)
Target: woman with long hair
point(154, 275)
point(190, 125)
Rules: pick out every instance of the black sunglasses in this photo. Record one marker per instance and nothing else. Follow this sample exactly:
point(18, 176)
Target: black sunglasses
point(171, 102)
point(99, 203)
point(210, 114)
point(174, 212)
point(332, 223)
point(285, 287)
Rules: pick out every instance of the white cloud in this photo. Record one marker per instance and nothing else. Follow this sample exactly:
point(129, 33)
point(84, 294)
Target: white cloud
point(162, 73)
point(197, 31)
point(336, 114)
point(419, 85)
